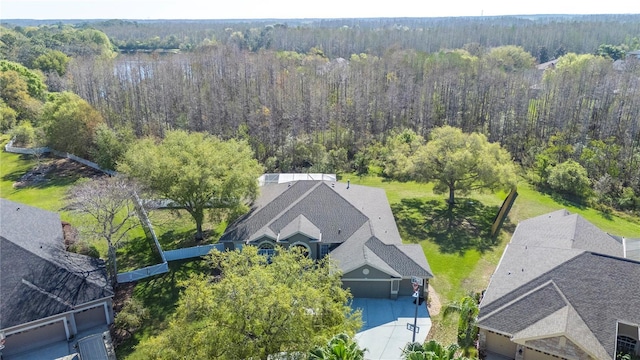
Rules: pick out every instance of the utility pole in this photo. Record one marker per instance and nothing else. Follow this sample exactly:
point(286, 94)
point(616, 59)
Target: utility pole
point(416, 282)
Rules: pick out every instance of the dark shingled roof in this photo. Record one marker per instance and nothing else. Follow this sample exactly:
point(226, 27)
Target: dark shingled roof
point(537, 305)
point(38, 277)
point(537, 276)
point(357, 218)
point(399, 258)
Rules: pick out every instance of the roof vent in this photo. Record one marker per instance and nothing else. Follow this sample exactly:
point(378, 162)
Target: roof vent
point(339, 231)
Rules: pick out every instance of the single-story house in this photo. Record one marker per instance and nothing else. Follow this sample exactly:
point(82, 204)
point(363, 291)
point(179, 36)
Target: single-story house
point(47, 294)
point(563, 289)
point(351, 223)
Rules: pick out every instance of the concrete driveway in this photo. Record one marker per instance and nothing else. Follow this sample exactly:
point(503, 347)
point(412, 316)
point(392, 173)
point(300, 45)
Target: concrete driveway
point(385, 332)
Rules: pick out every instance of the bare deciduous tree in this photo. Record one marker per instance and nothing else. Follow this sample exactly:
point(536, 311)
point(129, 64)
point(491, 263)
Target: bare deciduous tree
point(110, 205)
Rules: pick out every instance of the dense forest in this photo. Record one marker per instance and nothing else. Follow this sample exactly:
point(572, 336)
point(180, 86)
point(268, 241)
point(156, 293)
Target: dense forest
point(333, 95)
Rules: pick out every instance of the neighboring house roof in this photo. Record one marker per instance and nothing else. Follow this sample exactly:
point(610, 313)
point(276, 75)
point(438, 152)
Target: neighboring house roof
point(549, 64)
point(39, 278)
point(562, 275)
point(357, 218)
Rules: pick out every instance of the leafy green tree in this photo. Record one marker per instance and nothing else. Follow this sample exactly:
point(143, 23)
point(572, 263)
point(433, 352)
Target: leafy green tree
point(510, 58)
point(570, 178)
point(462, 162)
point(576, 64)
point(431, 350)
point(8, 116)
point(340, 347)
point(195, 171)
point(52, 61)
point(600, 157)
point(399, 148)
point(14, 95)
point(70, 124)
point(23, 134)
point(132, 316)
point(110, 145)
point(34, 80)
point(467, 310)
point(256, 308)
point(558, 150)
point(613, 52)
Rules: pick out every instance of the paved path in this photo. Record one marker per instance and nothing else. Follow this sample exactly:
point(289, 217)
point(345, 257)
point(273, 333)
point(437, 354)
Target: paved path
point(385, 332)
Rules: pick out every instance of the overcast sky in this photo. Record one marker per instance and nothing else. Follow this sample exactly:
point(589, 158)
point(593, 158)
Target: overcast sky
point(287, 9)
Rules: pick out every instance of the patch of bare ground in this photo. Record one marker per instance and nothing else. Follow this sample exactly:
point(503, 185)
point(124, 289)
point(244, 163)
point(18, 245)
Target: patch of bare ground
point(434, 303)
point(55, 168)
point(122, 293)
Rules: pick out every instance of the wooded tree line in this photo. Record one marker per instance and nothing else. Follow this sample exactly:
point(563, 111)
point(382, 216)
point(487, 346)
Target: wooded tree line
point(285, 102)
point(304, 111)
point(543, 36)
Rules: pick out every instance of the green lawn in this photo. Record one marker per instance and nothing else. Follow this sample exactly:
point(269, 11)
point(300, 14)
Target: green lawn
point(159, 295)
point(462, 256)
point(49, 195)
point(463, 262)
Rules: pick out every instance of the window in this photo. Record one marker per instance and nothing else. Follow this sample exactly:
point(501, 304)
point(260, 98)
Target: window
point(626, 345)
point(324, 250)
point(266, 248)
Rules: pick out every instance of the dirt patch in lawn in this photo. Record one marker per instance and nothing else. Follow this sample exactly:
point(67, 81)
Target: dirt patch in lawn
point(51, 169)
point(122, 293)
point(434, 302)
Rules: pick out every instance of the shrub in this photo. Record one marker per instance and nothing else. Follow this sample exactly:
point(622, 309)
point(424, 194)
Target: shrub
point(84, 248)
point(569, 178)
point(24, 134)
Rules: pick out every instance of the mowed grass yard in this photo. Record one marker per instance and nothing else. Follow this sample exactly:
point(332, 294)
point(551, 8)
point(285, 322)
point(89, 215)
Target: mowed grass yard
point(175, 229)
point(464, 258)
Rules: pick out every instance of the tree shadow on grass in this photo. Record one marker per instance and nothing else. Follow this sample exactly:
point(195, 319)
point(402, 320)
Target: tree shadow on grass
point(137, 253)
point(172, 239)
point(467, 226)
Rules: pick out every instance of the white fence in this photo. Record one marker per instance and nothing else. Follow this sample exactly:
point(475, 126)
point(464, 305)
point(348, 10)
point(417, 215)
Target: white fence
point(146, 224)
point(43, 150)
point(145, 272)
point(266, 179)
point(191, 252)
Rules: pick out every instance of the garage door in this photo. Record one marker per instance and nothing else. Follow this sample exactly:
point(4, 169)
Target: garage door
point(368, 289)
point(538, 355)
point(90, 318)
point(34, 338)
point(501, 344)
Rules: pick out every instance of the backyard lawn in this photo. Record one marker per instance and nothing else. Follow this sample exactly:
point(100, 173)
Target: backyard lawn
point(459, 249)
point(174, 229)
point(464, 257)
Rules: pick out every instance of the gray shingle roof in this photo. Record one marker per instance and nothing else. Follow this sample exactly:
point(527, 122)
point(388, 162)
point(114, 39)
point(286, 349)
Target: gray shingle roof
point(399, 258)
point(537, 305)
point(38, 277)
point(551, 264)
point(562, 230)
point(358, 218)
